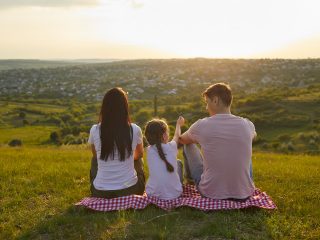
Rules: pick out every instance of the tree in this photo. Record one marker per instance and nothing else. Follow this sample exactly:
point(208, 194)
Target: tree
point(75, 130)
point(55, 137)
point(142, 116)
point(22, 115)
point(155, 105)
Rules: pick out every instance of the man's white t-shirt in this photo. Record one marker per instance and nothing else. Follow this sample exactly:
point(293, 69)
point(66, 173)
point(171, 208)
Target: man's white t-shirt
point(162, 183)
point(114, 174)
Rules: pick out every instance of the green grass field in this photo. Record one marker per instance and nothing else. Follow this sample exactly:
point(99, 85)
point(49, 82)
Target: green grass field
point(39, 185)
point(30, 135)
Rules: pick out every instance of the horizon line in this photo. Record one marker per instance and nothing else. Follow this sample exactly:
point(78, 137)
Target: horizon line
point(168, 58)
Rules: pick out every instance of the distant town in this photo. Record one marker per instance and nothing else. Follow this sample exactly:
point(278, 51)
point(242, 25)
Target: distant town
point(145, 78)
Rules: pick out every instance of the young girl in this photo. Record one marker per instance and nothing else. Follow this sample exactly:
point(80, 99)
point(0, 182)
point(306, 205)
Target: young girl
point(165, 170)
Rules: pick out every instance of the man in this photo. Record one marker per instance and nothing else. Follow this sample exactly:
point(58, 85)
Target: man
point(226, 144)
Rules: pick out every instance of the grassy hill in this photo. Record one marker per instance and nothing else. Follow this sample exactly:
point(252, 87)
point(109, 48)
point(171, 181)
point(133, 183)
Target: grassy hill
point(51, 107)
point(39, 186)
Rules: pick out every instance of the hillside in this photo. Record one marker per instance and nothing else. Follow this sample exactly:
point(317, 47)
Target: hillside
point(40, 185)
point(281, 97)
point(50, 109)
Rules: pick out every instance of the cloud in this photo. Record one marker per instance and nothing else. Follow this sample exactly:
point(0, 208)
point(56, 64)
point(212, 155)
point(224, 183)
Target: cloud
point(46, 3)
point(136, 4)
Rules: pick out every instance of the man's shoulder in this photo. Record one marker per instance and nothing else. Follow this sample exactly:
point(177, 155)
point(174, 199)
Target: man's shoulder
point(202, 120)
point(247, 120)
point(241, 118)
point(199, 123)
point(247, 123)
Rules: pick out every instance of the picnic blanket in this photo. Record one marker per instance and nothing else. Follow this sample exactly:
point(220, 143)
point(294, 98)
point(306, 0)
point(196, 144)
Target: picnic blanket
point(189, 198)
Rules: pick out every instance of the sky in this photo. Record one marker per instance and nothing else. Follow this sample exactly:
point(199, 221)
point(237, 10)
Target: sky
point(131, 29)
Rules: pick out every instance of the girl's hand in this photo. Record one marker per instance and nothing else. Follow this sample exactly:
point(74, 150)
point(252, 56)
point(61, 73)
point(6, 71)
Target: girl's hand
point(180, 121)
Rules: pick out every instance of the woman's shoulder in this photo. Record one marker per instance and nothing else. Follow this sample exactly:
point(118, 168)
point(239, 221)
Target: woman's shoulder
point(135, 127)
point(95, 127)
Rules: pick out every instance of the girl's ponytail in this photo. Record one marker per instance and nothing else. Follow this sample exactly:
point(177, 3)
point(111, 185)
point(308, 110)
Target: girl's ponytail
point(154, 133)
point(163, 157)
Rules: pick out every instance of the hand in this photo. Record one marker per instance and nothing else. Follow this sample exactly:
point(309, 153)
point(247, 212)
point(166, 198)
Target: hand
point(180, 121)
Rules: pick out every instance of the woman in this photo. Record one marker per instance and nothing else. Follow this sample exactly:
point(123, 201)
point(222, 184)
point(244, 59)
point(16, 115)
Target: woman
point(117, 148)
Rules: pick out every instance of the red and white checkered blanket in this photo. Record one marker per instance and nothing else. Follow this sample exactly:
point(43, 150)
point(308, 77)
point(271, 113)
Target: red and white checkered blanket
point(189, 198)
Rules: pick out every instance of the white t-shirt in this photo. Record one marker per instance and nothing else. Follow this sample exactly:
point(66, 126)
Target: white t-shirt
point(162, 183)
point(114, 174)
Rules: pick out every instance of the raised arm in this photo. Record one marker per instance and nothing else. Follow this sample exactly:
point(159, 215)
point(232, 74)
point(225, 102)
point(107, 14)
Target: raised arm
point(177, 133)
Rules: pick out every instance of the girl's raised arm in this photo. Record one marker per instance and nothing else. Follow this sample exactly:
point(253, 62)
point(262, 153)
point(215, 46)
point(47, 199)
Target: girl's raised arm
point(177, 133)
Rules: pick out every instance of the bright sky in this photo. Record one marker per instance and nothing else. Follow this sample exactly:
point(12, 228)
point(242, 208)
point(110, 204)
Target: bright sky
point(159, 28)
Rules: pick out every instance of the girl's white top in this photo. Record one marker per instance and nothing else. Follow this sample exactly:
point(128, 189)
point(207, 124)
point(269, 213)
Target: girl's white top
point(162, 183)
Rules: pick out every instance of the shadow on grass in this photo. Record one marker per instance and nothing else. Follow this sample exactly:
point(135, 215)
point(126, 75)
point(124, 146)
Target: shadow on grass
point(76, 223)
point(152, 223)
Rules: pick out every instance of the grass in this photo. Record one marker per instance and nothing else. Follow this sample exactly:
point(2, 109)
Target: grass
point(39, 185)
point(30, 135)
point(273, 133)
point(40, 107)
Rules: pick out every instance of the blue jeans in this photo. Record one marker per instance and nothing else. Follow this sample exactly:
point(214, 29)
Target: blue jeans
point(251, 171)
point(193, 163)
point(180, 170)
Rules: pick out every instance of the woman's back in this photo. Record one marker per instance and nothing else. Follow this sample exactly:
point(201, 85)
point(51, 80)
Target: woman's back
point(114, 174)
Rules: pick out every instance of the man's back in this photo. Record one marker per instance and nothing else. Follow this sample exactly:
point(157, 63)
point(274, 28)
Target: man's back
point(226, 143)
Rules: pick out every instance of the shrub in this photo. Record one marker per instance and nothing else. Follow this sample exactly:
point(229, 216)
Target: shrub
point(290, 147)
point(55, 137)
point(75, 130)
point(22, 115)
point(301, 136)
point(70, 139)
point(67, 117)
point(66, 130)
point(25, 122)
point(284, 138)
point(15, 143)
point(259, 140)
point(54, 119)
point(275, 145)
point(142, 117)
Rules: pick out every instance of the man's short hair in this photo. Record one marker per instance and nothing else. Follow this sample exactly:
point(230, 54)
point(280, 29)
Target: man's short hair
point(220, 90)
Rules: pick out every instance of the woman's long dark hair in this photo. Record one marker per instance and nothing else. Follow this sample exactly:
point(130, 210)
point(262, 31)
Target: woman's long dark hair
point(154, 134)
point(115, 128)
